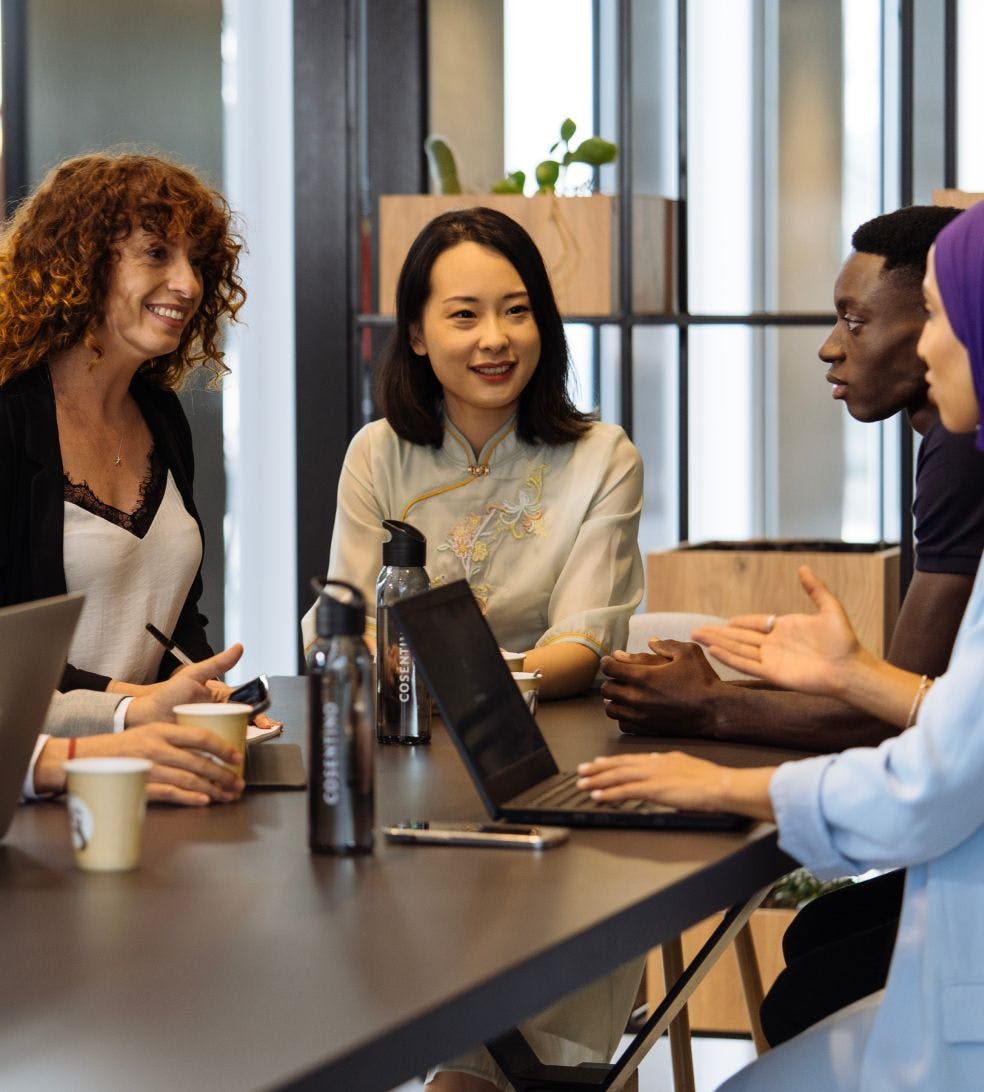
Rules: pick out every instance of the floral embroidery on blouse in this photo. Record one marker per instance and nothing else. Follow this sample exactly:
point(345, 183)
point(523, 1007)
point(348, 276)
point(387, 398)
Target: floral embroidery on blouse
point(482, 593)
point(474, 537)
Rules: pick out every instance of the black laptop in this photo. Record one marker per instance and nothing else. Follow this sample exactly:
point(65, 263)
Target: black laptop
point(496, 735)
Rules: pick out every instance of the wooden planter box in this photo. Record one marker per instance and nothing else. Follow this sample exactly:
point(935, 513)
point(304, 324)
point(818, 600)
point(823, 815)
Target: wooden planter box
point(718, 1003)
point(577, 236)
point(957, 199)
point(732, 578)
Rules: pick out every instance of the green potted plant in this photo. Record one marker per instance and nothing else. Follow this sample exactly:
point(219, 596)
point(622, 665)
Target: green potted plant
point(577, 232)
point(593, 151)
point(799, 887)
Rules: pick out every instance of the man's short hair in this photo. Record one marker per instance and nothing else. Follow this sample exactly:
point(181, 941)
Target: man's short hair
point(903, 239)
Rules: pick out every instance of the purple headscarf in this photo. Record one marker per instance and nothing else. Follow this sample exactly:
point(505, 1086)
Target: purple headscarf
point(959, 263)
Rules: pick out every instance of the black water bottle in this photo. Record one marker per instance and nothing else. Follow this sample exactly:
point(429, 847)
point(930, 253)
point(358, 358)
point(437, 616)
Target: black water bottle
point(340, 723)
point(403, 708)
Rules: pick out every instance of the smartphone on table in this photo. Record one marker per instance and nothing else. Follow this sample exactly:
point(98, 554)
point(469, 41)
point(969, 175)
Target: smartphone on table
point(507, 835)
point(256, 693)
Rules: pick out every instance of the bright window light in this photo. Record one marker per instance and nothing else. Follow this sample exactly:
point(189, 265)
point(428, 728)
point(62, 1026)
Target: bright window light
point(862, 508)
point(970, 94)
point(547, 78)
point(721, 137)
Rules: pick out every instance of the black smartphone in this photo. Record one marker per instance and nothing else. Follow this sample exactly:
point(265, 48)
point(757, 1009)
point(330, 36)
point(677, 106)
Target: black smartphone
point(256, 693)
point(509, 835)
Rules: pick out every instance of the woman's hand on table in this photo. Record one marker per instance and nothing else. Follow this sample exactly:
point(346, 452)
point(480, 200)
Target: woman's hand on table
point(217, 690)
point(179, 775)
point(679, 781)
point(188, 684)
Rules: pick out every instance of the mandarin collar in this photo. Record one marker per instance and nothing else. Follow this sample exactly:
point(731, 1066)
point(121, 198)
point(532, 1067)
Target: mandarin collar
point(501, 448)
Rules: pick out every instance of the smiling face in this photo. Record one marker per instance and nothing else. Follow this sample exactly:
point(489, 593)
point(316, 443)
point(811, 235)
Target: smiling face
point(951, 383)
point(155, 287)
point(871, 350)
point(478, 331)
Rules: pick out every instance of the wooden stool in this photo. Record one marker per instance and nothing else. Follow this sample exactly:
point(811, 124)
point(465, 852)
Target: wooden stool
point(527, 1073)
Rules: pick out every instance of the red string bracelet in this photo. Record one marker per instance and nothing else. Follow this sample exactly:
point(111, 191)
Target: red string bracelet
point(71, 747)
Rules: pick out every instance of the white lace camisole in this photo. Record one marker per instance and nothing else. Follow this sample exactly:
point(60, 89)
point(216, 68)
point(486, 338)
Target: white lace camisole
point(133, 568)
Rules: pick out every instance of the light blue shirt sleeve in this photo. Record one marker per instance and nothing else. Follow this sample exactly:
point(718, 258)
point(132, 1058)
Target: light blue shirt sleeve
point(913, 798)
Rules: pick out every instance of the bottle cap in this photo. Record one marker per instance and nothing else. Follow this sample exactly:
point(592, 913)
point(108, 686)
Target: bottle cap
point(407, 547)
point(341, 611)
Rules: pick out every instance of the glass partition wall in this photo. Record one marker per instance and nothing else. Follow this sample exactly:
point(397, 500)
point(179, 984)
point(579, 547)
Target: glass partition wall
point(776, 127)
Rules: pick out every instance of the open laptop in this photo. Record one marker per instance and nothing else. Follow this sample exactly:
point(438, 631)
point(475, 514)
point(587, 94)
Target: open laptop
point(34, 642)
point(496, 735)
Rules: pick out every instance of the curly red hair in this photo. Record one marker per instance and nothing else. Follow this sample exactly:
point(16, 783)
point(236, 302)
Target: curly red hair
point(57, 253)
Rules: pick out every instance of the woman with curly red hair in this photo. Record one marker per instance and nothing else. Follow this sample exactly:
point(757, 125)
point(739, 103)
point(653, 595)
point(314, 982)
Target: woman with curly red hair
point(115, 275)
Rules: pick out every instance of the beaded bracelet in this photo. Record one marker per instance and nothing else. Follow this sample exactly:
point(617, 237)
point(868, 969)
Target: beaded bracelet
point(923, 689)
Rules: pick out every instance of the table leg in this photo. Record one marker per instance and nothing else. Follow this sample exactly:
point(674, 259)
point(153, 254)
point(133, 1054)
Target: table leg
point(683, 1061)
point(751, 981)
point(528, 1074)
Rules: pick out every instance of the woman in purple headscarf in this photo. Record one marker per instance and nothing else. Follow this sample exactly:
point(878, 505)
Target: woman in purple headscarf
point(917, 801)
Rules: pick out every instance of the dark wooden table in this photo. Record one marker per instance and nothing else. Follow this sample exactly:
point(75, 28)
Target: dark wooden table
point(236, 959)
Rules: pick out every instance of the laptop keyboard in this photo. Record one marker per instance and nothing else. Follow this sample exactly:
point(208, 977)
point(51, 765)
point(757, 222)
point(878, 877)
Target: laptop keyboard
point(561, 793)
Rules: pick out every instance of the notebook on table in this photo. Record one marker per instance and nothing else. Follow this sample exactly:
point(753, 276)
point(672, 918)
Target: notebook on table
point(34, 642)
point(499, 741)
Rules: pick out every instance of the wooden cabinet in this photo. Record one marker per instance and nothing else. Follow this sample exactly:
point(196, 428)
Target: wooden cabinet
point(958, 199)
point(748, 577)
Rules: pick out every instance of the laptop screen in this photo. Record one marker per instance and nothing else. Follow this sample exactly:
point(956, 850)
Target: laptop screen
point(478, 698)
point(34, 640)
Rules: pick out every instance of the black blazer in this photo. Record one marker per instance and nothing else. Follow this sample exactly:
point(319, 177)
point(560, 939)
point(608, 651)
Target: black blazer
point(32, 501)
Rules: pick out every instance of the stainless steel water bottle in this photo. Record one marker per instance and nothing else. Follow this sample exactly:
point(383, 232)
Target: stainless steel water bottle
point(340, 723)
point(403, 708)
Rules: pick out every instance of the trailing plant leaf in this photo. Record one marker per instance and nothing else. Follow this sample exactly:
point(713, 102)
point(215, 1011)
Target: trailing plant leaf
point(567, 130)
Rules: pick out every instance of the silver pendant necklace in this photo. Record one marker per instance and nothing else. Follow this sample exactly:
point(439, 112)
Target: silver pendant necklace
point(118, 461)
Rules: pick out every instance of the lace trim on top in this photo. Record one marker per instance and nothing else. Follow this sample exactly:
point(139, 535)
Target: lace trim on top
point(139, 521)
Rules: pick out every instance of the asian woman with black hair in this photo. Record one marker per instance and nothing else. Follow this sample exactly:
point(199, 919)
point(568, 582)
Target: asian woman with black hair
point(531, 501)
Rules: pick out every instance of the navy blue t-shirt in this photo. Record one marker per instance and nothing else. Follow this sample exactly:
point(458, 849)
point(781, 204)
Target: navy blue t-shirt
point(948, 510)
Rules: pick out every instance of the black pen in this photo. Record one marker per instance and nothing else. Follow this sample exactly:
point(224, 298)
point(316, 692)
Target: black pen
point(177, 652)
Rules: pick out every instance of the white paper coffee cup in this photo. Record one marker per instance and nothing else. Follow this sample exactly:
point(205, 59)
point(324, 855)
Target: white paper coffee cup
point(529, 686)
point(227, 719)
point(515, 661)
point(106, 804)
